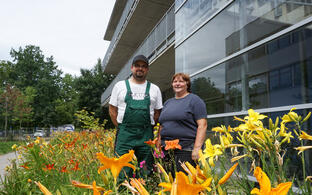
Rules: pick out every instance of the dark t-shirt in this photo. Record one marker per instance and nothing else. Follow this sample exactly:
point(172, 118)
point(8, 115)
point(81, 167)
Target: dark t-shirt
point(178, 119)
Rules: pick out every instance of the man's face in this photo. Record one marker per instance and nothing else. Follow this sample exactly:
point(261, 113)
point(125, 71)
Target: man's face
point(139, 70)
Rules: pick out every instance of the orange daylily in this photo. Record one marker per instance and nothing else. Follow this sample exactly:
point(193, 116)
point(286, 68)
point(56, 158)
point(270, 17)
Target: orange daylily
point(64, 170)
point(115, 164)
point(151, 143)
point(93, 187)
point(85, 186)
point(227, 175)
point(48, 167)
point(184, 187)
point(24, 166)
point(43, 189)
point(265, 185)
point(173, 144)
point(84, 146)
point(76, 167)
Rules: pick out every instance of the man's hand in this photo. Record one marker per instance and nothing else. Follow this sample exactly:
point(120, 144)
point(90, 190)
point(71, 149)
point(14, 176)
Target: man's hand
point(113, 111)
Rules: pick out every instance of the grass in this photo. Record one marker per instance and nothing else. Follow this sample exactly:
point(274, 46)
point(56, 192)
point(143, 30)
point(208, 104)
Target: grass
point(6, 146)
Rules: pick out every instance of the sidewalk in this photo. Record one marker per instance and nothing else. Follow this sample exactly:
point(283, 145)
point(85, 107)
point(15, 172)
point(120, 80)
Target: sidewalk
point(4, 161)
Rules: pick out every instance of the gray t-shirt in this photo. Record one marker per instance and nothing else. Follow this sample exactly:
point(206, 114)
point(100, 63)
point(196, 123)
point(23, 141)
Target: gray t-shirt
point(178, 119)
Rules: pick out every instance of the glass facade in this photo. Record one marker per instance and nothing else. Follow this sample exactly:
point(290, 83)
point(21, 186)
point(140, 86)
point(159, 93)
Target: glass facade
point(192, 14)
point(239, 25)
point(260, 77)
point(241, 58)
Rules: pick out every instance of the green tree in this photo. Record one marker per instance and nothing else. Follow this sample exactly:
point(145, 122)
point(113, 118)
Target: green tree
point(4, 73)
point(31, 69)
point(90, 86)
point(66, 104)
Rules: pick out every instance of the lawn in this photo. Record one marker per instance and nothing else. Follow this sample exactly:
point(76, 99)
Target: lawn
point(6, 146)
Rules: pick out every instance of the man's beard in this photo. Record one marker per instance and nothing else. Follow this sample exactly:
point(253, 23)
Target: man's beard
point(139, 77)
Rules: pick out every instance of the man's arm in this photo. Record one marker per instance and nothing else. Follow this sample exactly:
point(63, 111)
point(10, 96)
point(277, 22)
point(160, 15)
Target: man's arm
point(156, 115)
point(113, 111)
point(200, 137)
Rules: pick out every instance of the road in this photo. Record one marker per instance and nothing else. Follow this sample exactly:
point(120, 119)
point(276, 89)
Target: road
point(5, 161)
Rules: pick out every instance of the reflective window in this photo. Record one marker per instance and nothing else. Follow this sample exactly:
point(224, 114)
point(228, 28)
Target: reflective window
point(178, 3)
point(260, 78)
point(239, 25)
point(192, 14)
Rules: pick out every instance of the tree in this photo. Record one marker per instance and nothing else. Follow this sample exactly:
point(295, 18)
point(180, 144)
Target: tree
point(66, 104)
point(31, 69)
point(90, 86)
point(15, 106)
point(22, 109)
point(4, 73)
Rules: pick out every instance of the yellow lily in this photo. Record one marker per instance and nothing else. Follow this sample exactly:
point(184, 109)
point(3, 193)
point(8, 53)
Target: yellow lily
point(14, 147)
point(290, 117)
point(303, 148)
point(167, 178)
point(210, 152)
point(238, 157)
point(228, 174)
point(304, 135)
point(115, 164)
point(265, 185)
point(138, 185)
point(222, 129)
point(287, 137)
point(254, 116)
point(167, 187)
point(226, 140)
point(43, 189)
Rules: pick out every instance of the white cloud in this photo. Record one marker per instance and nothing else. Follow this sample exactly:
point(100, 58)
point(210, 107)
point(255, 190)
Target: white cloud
point(70, 30)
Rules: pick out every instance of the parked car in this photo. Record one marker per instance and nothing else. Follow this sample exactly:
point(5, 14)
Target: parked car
point(39, 133)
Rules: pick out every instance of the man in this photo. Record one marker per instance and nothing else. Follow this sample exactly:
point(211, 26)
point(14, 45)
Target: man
point(135, 106)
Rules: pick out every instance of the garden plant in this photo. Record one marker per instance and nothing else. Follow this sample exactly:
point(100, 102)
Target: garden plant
point(84, 162)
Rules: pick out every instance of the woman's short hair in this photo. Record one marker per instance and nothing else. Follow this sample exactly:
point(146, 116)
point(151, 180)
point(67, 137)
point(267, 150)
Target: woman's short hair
point(185, 78)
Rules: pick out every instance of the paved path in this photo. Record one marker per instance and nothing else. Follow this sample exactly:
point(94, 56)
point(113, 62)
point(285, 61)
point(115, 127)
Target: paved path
point(5, 161)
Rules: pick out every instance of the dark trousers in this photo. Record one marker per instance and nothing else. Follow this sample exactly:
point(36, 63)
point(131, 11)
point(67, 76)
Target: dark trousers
point(175, 158)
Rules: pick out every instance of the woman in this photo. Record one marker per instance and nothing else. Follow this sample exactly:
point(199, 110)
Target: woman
point(183, 117)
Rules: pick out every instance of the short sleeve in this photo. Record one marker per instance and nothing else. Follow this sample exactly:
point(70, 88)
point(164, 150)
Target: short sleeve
point(113, 99)
point(159, 104)
point(199, 108)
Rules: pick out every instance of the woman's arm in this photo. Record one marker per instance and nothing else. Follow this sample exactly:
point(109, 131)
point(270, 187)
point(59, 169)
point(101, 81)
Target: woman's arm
point(200, 137)
point(158, 143)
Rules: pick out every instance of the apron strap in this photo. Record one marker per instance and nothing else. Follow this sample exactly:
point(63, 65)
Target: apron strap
point(128, 86)
point(148, 86)
point(128, 95)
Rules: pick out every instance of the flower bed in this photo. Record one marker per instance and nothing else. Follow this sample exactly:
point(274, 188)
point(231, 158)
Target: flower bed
point(83, 163)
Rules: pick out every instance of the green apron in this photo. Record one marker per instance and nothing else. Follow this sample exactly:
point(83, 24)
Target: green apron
point(134, 130)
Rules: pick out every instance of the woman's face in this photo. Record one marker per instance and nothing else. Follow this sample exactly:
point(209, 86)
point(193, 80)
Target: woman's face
point(179, 85)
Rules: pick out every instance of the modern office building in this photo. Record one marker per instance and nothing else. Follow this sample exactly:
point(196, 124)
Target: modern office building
point(240, 54)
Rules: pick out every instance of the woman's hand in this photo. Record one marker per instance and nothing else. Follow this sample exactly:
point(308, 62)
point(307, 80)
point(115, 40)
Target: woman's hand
point(195, 153)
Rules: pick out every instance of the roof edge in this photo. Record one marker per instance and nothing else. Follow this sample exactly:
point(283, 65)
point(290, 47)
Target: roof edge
point(114, 19)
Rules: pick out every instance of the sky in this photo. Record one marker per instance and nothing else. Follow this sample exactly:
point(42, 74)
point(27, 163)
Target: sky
point(71, 31)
